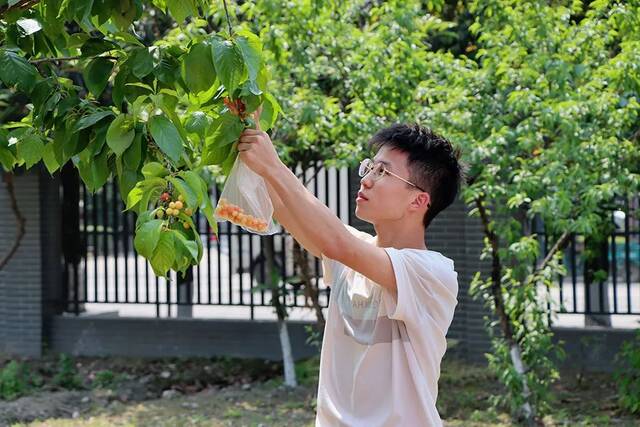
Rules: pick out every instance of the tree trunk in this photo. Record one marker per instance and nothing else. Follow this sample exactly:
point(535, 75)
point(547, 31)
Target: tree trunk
point(285, 343)
point(505, 324)
point(311, 291)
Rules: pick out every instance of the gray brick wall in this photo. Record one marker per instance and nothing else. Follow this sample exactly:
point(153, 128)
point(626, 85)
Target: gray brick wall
point(20, 280)
point(459, 237)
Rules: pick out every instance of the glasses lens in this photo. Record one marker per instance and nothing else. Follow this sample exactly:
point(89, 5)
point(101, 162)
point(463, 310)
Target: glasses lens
point(378, 171)
point(365, 167)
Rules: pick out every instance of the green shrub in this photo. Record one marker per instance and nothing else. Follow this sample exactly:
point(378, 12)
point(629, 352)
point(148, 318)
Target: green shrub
point(67, 374)
point(14, 380)
point(307, 371)
point(627, 375)
point(103, 379)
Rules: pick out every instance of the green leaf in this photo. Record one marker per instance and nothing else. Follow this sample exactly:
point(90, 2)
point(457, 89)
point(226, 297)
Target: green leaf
point(30, 148)
point(194, 182)
point(163, 256)
point(206, 206)
point(95, 171)
point(228, 129)
point(251, 102)
point(154, 169)
point(124, 15)
point(117, 92)
point(143, 191)
point(197, 68)
point(7, 159)
point(95, 46)
point(230, 160)
point(213, 155)
point(49, 158)
point(15, 70)
point(140, 85)
point(140, 61)
point(198, 123)
point(251, 49)
point(270, 110)
point(134, 196)
point(120, 134)
point(127, 180)
point(167, 70)
point(189, 246)
point(181, 9)
point(190, 197)
point(96, 75)
point(91, 119)
point(166, 135)
point(228, 63)
point(133, 155)
point(147, 237)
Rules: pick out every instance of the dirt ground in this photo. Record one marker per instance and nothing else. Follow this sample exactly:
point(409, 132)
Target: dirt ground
point(228, 392)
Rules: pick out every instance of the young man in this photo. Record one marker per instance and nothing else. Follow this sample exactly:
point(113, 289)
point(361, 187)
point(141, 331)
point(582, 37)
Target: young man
point(392, 299)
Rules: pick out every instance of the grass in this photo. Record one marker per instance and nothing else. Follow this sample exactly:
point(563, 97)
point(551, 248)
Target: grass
point(464, 400)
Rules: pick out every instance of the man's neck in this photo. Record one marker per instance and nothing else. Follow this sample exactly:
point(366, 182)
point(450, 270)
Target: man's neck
point(399, 236)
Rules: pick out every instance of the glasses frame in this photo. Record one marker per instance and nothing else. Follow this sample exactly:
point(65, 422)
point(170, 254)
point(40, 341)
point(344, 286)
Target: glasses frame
point(384, 171)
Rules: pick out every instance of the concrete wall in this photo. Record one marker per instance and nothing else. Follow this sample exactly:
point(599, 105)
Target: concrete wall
point(150, 337)
point(591, 349)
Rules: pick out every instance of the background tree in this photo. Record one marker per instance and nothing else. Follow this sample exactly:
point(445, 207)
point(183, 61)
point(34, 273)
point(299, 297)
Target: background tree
point(547, 108)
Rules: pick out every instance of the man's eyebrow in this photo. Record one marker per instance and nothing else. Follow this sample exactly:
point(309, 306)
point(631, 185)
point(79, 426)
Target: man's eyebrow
point(387, 164)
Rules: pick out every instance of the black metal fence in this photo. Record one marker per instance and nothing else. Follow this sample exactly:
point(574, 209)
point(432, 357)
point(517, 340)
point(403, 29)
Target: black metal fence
point(233, 265)
point(617, 292)
point(231, 272)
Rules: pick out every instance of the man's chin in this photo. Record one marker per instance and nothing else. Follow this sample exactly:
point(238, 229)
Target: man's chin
point(361, 214)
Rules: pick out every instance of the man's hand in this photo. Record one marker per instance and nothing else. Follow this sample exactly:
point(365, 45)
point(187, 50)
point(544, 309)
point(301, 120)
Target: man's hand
point(256, 149)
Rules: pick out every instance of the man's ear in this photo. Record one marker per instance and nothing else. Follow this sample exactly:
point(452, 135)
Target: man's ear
point(421, 200)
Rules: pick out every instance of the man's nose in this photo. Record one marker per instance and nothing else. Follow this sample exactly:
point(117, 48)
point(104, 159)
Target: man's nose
point(366, 180)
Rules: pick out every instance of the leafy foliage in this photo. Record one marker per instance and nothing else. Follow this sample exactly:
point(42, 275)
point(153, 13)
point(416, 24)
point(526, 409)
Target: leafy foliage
point(627, 375)
point(146, 109)
point(546, 105)
point(16, 380)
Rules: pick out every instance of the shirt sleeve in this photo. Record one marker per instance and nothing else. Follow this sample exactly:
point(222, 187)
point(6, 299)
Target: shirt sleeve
point(421, 293)
point(330, 267)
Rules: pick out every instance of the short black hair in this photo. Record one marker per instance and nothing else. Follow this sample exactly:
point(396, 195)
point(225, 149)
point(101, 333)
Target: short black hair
point(434, 164)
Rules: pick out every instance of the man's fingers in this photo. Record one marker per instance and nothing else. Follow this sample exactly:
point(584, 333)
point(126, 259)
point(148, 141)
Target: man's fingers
point(243, 146)
point(249, 138)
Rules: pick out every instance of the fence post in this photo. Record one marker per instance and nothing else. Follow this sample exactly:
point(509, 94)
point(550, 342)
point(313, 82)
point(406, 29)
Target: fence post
point(185, 293)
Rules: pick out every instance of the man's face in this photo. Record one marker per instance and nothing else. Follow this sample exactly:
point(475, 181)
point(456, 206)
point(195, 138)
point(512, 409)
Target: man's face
point(388, 198)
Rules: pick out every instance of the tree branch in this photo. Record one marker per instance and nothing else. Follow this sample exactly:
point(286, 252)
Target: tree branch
point(20, 5)
point(70, 58)
point(558, 245)
point(226, 11)
point(8, 179)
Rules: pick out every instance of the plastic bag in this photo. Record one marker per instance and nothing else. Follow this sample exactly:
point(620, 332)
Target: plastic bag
point(245, 201)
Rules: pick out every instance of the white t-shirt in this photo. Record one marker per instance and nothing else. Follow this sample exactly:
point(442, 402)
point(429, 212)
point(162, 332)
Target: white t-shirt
point(380, 359)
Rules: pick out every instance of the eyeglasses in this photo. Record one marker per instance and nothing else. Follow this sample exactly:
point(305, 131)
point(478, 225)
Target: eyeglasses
point(377, 171)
